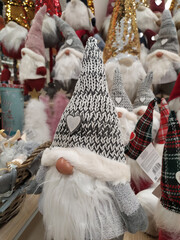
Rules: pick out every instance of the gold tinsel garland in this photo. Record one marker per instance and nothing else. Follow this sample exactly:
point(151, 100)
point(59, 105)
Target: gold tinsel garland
point(123, 36)
point(21, 12)
point(173, 5)
point(91, 5)
point(142, 2)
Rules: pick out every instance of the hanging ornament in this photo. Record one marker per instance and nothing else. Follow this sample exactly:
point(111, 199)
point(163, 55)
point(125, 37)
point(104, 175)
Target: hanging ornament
point(53, 6)
point(20, 11)
point(123, 36)
point(91, 5)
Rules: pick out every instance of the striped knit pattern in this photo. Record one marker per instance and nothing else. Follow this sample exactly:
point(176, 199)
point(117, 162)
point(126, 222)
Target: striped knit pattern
point(162, 132)
point(170, 188)
point(118, 94)
point(142, 132)
point(98, 130)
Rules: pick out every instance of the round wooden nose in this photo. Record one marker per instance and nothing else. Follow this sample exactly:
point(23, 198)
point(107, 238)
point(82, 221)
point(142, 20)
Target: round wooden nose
point(159, 54)
point(67, 52)
point(140, 112)
point(119, 114)
point(64, 167)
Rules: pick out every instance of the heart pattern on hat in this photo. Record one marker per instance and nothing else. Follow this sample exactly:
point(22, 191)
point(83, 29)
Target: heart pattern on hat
point(118, 99)
point(158, 2)
point(142, 99)
point(69, 41)
point(164, 41)
point(73, 122)
point(132, 136)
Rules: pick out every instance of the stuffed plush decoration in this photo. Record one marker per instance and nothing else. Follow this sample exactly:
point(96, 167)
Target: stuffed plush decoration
point(126, 53)
point(12, 38)
point(163, 58)
point(151, 37)
point(96, 201)
point(5, 74)
point(157, 7)
point(124, 108)
point(140, 138)
point(167, 213)
point(32, 70)
point(69, 57)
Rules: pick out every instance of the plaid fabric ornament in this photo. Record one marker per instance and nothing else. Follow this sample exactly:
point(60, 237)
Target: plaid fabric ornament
point(170, 188)
point(142, 135)
point(164, 115)
point(90, 120)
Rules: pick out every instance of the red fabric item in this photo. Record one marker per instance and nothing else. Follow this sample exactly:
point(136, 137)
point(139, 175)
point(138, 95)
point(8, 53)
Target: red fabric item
point(149, 35)
point(13, 53)
point(37, 84)
point(142, 185)
point(157, 6)
point(110, 7)
point(162, 132)
point(163, 235)
point(176, 90)
point(53, 6)
point(5, 74)
point(85, 34)
point(41, 71)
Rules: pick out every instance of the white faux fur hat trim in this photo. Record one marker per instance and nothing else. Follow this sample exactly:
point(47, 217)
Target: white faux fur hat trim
point(35, 56)
point(129, 115)
point(167, 220)
point(73, 51)
point(155, 113)
point(89, 163)
point(170, 55)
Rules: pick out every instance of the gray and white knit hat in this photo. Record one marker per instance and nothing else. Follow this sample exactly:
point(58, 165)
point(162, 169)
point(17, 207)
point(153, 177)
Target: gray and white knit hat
point(71, 38)
point(144, 93)
point(167, 36)
point(118, 94)
point(90, 121)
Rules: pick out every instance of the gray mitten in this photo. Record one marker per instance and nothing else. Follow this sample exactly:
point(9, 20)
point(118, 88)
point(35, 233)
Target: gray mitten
point(132, 212)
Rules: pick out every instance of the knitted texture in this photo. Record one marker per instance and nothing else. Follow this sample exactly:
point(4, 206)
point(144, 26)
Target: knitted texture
point(71, 38)
point(150, 35)
point(156, 7)
point(90, 120)
point(176, 90)
point(118, 93)
point(161, 135)
point(144, 93)
point(167, 36)
point(170, 188)
point(142, 133)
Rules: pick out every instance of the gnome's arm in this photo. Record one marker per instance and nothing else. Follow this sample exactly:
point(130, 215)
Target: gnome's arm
point(132, 212)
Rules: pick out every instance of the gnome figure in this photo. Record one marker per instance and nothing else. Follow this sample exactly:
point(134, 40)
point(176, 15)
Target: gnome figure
point(140, 138)
point(163, 58)
point(90, 201)
point(143, 98)
point(167, 213)
point(124, 108)
point(123, 48)
point(68, 60)
point(161, 135)
point(32, 69)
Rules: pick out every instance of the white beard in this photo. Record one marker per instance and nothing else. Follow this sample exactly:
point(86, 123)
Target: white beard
point(67, 68)
point(159, 67)
point(72, 206)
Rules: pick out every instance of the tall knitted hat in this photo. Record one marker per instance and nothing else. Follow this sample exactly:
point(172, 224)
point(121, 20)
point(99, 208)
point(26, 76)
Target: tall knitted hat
point(123, 36)
point(118, 93)
point(170, 188)
point(144, 92)
point(142, 135)
point(151, 39)
point(34, 39)
point(167, 36)
point(90, 121)
point(176, 90)
point(164, 115)
point(157, 5)
point(71, 38)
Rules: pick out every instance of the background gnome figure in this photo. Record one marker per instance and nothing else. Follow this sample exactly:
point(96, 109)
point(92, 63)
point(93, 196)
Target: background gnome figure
point(163, 58)
point(124, 108)
point(68, 60)
point(90, 141)
point(140, 138)
point(168, 212)
point(32, 69)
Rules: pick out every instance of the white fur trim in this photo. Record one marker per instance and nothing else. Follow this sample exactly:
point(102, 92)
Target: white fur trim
point(174, 104)
point(89, 163)
point(129, 115)
point(72, 50)
point(144, 108)
point(169, 54)
point(105, 27)
point(49, 26)
point(35, 56)
point(167, 220)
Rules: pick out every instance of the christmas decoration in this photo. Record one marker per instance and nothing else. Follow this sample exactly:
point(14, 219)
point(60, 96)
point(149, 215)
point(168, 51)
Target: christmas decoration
point(53, 6)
